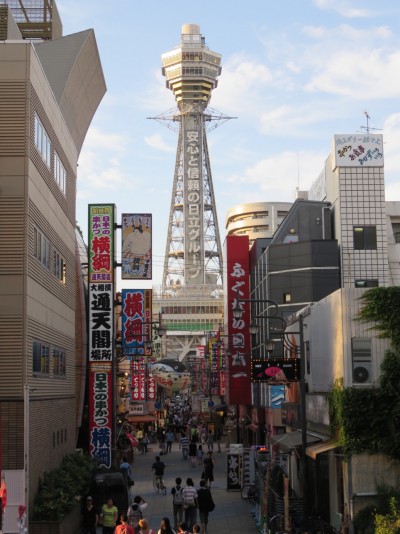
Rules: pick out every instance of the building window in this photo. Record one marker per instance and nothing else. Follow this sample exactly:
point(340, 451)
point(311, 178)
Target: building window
point(41, 247)
point(60, 174)
point(361, 360)
point(396, 232)
point(364, 237)
point(59, 266)
point(59, 362)
point(287, 297)
point(281, 213)
point(41, 358)
point(367, 283)
point(42, 141)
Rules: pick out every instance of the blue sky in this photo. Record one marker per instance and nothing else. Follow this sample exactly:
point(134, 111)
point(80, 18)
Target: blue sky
point(294, 73)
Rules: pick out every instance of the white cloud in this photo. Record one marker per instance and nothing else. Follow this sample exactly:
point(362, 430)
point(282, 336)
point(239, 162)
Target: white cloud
point(344, 9)
point(274, 179)
point(366, 75)
point(156, 141)
point(243, 83)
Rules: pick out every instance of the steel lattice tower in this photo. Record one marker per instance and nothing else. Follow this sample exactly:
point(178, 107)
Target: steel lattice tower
point(193, 252)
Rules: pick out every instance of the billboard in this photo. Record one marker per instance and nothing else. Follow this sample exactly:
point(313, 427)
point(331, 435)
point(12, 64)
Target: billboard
point(136, 321)
point(276, 370)
point(237, 287)
point(136, 249)
point(101, 243)
point(101, 322)
point(358, 150)
point(101, 330)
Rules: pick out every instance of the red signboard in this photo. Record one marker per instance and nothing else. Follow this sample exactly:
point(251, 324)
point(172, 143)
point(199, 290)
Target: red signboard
point(237, 288)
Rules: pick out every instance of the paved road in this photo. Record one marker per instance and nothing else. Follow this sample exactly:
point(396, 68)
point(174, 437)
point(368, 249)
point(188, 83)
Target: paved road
point(232, 514)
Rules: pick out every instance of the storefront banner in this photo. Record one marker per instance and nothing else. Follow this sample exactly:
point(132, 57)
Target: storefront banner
point(101, 322)
point(101, 243)
point(234, 471)
point(136, 321)
point(237, 286)
point(100, 413)
point(138, 385)
point(136, 246)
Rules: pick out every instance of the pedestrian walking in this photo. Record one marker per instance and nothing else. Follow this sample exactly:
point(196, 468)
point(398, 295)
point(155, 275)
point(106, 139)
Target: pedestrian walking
point(124, 528)
point(200, 454)
point(189, 494)
point(145, 527)
point(193, 453)
point(184, 445)
point(206, 505)
point(177, 502)
point(135, 512)
point(109, 516)
point(90, 517)
point(208, 471)
point(210, 441)
point(218, 437)
point(125, 467)
point(165, 527)
point(145, 443)
point(162, 442)
point(169, 439)
point(203, 435)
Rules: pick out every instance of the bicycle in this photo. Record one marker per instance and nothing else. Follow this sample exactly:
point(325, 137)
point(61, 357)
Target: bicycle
point(275, 524)
point(250, 492)
point(159, 485)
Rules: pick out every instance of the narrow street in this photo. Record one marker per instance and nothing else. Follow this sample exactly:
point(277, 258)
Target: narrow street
point(232, 514)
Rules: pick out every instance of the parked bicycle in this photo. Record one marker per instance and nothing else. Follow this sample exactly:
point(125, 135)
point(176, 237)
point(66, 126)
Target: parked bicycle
point(250, 492)
point(275, 524)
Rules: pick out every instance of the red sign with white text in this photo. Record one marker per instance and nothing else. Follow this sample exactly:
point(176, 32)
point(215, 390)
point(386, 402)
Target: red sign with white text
point(237, 288)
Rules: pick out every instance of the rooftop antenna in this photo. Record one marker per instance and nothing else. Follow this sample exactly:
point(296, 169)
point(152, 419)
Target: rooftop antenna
point(368, 128)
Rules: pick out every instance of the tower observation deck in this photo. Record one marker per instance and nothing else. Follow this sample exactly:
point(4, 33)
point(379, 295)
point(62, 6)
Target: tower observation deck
point(193, 250)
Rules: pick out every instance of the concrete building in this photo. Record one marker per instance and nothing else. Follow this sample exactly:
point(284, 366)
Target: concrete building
point(49, 91)
point(349, 194)
point(258, 220)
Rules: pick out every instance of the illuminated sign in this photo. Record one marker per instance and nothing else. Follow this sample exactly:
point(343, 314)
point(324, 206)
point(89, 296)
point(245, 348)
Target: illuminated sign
point(276, 370)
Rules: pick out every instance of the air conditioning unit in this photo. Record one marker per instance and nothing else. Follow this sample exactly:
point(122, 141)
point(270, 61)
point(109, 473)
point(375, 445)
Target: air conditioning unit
point(362, 373)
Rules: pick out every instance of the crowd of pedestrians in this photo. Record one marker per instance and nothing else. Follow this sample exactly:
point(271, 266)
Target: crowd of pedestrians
point(190, 506)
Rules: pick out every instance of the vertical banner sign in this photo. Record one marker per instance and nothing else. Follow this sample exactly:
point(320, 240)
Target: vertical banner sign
point(136, 321)
point(151, 384)
point(234, 471)
point(214, 367)
point(136, 246)
point(101, 415)
point(138, 386)
point(101, 243)
point(193, 200)
point(101, 330)
point(222, 370)
point(237, 286)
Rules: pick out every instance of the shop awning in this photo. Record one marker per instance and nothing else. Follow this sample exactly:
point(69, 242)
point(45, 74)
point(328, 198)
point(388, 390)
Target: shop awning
point(318, 448)
point(292, 440)
point(141, 418)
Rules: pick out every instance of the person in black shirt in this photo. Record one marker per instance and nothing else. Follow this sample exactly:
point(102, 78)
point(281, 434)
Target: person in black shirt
point(158, 467)
point(89, 517)
point(205, 503)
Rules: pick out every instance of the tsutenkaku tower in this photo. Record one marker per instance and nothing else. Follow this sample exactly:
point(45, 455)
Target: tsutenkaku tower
point(193, 251)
